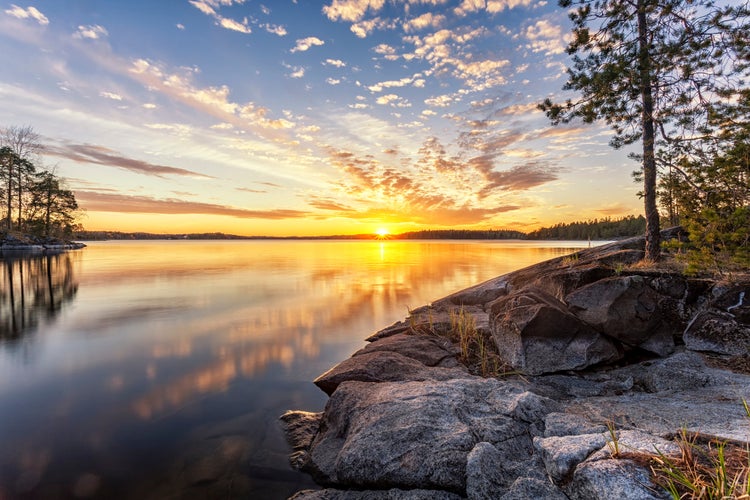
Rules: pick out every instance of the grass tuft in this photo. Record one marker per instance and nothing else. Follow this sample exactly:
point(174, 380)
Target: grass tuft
point(704, 470)
point(478, 352)
point(613, 443)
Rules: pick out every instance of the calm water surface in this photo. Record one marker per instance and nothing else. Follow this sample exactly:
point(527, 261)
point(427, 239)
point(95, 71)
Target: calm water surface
point(159, 369)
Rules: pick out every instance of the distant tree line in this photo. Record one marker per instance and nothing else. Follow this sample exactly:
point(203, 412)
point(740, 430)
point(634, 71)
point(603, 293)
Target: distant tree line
point(119, 235)
point(596, 229)
point(461, 234)
point(32, 200)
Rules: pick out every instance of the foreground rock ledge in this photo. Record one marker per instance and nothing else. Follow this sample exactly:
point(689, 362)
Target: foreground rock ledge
point(596, 340)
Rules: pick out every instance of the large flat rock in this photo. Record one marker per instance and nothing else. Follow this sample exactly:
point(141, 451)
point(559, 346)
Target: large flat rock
point(417, 434)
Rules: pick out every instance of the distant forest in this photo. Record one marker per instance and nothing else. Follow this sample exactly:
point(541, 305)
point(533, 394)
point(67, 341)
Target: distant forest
point(597, 229)
point(460, 234)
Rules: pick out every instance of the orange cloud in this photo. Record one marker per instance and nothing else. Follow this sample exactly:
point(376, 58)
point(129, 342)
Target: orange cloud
point(100, 155)
point(105, 202)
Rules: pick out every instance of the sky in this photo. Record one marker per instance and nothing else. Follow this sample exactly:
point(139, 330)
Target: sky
point(297, 117)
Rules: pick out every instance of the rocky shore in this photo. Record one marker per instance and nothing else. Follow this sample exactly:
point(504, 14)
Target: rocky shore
point(599, 362)
point(14, 244)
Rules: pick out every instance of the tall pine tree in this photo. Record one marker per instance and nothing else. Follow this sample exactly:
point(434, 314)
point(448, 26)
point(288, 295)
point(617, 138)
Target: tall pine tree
point(653, 70)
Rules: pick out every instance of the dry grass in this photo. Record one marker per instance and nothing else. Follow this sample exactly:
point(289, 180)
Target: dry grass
point(667, 264)
point(477, 349)
point(705, 469)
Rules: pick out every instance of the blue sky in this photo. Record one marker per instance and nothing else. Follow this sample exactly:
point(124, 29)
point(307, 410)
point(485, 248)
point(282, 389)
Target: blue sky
point(298, 117)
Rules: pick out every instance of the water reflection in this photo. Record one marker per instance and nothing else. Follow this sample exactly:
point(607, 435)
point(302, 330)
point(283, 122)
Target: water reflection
point(34, 289)
point(173, 350)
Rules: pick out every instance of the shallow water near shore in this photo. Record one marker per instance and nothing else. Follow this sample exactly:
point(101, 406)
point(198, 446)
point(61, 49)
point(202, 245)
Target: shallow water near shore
point(152, 369)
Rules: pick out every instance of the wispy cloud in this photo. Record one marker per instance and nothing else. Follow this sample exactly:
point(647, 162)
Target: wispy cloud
point(334, 62)
point(517, 178)
point(614, 210)
point(330, 204)
point(211, 7)
point(275, 29)
point(489, 6)
point(91, 32)
point(233, 25)
point(99, 155)
point(415, 80)
point(107, 202)
point(212, 100)
point(27, 13)
point(110, 95)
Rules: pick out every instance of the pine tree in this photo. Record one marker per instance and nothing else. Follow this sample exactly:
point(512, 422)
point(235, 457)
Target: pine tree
point(654, 71)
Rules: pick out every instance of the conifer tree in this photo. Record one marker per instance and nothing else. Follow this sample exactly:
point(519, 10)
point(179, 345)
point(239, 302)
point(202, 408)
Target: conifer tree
point(655, 71)
point(25, 143)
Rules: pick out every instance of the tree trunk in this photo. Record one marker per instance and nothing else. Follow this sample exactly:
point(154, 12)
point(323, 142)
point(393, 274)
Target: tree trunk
point(653, 238)
point(20, 197)
point(48, 209)
point(9, 196)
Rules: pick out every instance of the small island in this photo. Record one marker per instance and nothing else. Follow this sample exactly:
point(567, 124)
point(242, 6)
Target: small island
point(19, 243)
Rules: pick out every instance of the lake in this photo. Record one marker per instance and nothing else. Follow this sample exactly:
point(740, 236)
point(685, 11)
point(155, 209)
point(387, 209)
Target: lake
point(153, 369)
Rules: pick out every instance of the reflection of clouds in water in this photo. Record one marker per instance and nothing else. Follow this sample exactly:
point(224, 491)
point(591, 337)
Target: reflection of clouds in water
point(125, 314)
point(32, 464)
point(215, 377)
point(174, 394)
point(181, 348)
point(244, 340)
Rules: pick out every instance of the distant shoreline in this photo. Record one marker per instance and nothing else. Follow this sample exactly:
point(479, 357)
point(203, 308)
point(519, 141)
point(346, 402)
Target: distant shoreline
point(358, 237)
point(596, 230)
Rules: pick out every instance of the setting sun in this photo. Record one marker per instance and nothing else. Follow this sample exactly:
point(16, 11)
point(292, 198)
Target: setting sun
point(381, 233)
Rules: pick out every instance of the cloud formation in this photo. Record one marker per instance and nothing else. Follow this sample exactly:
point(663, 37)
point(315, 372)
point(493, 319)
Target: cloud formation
point(489, 6)
point(107, 202)
point(91, 32)
point(100, 155)
point(212, 100)
point(546, 38)
point(304, 44)
point(211, 7)
point(351, 10)
point(28, 13)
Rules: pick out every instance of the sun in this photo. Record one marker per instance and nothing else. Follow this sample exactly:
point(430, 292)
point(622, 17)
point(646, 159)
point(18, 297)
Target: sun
point(382, 233)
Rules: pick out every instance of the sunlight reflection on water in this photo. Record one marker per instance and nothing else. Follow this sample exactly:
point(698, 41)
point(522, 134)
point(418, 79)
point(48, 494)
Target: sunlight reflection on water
point(149, 369)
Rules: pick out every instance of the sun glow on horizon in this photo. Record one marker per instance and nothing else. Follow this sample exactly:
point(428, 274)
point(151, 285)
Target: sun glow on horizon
point(382, 233)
